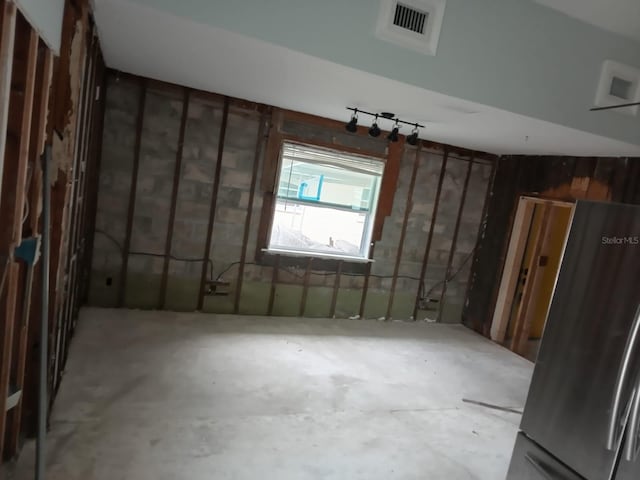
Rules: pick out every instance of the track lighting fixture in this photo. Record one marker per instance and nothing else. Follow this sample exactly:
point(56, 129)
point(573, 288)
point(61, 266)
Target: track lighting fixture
point(374, 131)
point(393, 136)
point(413, 138)
point(352, 126)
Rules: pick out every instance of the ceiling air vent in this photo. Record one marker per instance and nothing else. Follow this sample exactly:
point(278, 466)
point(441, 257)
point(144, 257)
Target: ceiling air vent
point(413, 24)
point(410, 18)
point(619, 84)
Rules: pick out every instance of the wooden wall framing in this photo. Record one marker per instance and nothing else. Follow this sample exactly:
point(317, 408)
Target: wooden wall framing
point(55, 101)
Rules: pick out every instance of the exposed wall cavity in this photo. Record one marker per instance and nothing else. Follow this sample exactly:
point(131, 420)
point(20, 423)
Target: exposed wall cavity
point(435, 207)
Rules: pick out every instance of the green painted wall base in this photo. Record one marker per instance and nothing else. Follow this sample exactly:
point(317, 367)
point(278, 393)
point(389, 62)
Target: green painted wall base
point(142, 291)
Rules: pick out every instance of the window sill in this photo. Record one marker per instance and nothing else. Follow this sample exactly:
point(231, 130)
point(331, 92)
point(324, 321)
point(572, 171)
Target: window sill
point(328, 256)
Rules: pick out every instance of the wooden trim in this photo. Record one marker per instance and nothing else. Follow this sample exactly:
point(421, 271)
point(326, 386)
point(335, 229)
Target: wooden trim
point(511, 268)
point(7, 39)
point(272, 156)
point(274, 283)
point(132, 194)
point(434, 216)
point(214, 202)
point(305, 287)
point(403, 232)
point(247, 222)
point(174, 198)
point(518, 340)
point(336, 289)
point(268, 182)
point(454, 241)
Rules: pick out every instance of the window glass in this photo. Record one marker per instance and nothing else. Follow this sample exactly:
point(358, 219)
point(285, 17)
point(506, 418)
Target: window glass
point(325, 202)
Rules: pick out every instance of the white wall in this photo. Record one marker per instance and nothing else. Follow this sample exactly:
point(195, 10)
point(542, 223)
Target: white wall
point(46, 17)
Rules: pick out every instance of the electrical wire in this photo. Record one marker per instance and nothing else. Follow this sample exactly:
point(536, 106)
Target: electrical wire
point(422, 297)
point(158, 255)
point(292, 271)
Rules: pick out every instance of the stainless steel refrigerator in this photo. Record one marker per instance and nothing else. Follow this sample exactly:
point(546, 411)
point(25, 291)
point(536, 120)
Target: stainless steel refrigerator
point(582, 415)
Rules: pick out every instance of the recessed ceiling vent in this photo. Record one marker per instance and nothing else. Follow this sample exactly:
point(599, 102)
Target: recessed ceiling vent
point(410, 18)
point(619, 84)
point(413, 24)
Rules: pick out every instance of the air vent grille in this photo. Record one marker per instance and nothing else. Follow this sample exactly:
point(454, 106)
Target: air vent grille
point(410, 19)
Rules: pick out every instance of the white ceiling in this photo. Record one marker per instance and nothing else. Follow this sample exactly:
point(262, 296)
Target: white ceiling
point(618, 16)
point(158, 45)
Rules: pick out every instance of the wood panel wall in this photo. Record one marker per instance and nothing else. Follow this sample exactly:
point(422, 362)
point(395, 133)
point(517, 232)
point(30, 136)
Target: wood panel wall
point(556, 178)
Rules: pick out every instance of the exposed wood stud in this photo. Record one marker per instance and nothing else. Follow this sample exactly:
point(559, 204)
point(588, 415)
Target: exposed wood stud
point(454, 241)
point(78, 195)
point(7, 39)
point(336, 289)
point(41, 99)
point(365, 286)
point(92, 208)
point(388, 187)
point(17, 160)
point(174, 199)
point(305, 287)
point(481, 226)
point(427, 249)
point(403, 232)
point(8, 308)
point(247, 222)
point(132, 194)
point(214, 202)
point(274, 284)
point(13, 195)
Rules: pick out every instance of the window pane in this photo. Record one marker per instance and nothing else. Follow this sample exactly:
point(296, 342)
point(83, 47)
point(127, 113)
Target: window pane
point(325, 202)
point(326, 184)
point(303, 227)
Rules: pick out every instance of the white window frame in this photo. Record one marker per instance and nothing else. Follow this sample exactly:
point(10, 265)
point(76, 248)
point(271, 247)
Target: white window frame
point(371, 214)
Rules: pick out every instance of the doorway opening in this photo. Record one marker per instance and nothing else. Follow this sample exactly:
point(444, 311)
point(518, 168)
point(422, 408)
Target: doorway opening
point(533, 260)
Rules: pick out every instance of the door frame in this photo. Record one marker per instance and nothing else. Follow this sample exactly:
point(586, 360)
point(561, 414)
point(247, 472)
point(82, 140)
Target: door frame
point(513, 262)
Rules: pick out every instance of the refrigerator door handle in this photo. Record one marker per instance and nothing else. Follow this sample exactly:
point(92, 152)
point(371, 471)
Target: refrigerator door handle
point(544, 469)
point(614, 432)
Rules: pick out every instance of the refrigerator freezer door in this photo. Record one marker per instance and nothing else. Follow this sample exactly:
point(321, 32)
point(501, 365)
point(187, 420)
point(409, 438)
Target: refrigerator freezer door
point(590, 320)
point(530, 462)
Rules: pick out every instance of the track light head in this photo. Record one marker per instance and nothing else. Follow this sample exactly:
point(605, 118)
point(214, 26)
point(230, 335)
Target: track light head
point(413, 138)
point(393, 136)
point(374, 131)
point(352, 126)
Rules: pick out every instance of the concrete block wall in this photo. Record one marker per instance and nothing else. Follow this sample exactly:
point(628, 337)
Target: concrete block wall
point(157, 157)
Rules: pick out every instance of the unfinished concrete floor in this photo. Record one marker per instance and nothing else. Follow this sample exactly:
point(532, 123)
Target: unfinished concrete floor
point(168, 396)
